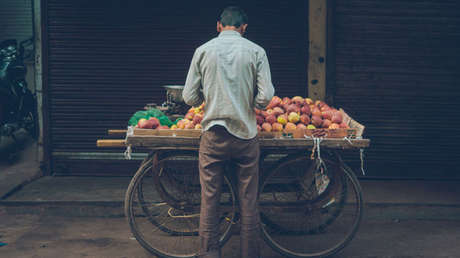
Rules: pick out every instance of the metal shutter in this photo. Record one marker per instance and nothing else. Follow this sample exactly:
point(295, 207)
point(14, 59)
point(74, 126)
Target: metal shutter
point(107, 59)
point(397, 72)
point(16, 19)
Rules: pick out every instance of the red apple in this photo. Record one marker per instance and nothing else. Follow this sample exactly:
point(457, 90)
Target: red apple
point(190, 115)
point(319, 103)
point(277, 127)
point(270, 119)
point(305, 109)
point(316, 112)
point(325, 107)
point(290, 126)
point(181, 124)
point(327, 114)
point(344, 125)
point(316, 121)
point(260, 119)
point(189, 125)
point(301, 126)
point(154, 122)
point(298, 100)
point(278, 111)
point(293, 108)
point(266, 127)
point(337, 117)
point(285, 106)
point(162, 127)
point(141, 122)
point(150, 124)
point(197, 118)
point(305, 119)
point(267, 112)
point(286, 100)
point(334, 126)
point(326, 123)
point(276, 101)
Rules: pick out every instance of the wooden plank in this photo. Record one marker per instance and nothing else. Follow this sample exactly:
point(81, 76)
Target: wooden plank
point(173, 133)
point(110, 143)
point(146, 141)
point(330, 53)
point(330, 143)
point(297, 133)
point(150, 141)
point(317, 22)
point(116, 132)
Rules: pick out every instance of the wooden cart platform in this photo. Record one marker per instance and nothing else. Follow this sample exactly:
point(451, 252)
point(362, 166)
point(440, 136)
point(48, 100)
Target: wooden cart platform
point(153, 139)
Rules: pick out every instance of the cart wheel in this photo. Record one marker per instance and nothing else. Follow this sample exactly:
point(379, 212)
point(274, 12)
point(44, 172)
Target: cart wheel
point(299, 185)
point(298, 220)
point(162, 205)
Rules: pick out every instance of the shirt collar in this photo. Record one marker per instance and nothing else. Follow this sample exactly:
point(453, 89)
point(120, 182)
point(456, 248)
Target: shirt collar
point(229, 33)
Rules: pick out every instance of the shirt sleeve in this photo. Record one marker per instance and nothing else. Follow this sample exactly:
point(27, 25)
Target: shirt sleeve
point(191, 94)
point(265, 90)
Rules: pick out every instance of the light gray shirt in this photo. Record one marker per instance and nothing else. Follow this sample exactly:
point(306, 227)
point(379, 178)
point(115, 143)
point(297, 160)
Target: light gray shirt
point(232, 75)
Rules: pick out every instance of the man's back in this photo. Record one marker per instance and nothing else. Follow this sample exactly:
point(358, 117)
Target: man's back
point(230, 68)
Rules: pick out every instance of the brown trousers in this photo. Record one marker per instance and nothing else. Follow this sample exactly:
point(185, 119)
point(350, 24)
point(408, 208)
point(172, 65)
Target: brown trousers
point(217, 148)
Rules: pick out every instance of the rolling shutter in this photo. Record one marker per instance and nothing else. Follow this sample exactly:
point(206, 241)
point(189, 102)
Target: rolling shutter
point(107, 59)
point(16, 20)
point(397, 73)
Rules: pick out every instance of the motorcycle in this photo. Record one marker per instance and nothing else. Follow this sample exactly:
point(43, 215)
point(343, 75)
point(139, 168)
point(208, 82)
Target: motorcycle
point(18, 108)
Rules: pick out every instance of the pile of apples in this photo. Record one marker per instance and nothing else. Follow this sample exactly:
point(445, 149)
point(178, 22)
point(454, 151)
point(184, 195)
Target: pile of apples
point(291, 113)
point(192, 119)
point(151, 123)
point(284, 114)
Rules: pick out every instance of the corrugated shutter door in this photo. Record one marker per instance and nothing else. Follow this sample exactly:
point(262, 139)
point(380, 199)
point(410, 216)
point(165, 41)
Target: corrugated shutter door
point(397, 72)
point(16, 20)
point(107, 59)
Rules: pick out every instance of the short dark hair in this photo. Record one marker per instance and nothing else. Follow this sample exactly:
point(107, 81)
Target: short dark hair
point(233, 16)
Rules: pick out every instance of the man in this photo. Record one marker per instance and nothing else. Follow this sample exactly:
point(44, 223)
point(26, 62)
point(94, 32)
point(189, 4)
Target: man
point(232, 75)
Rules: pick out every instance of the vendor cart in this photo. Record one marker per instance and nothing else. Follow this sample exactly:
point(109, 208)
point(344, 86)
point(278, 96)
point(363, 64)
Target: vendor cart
point(310, 201)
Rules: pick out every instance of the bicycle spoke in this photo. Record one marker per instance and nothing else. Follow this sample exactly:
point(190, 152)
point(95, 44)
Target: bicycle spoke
point(300, 221)
point(163, 209)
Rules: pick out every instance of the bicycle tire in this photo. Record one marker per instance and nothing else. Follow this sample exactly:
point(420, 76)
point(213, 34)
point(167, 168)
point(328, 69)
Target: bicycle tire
point(149, 216)
point(133, 218)
point(334, 186)
point(279, 243)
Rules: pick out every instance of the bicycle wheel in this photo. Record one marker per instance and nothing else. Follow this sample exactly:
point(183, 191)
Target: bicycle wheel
point(299, 184)
point(168, 227)
point(300, 221)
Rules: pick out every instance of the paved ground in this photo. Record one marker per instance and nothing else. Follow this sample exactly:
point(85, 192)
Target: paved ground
point(82, 217)
point(440, 192)
point(23, 170)
point(57, 236)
